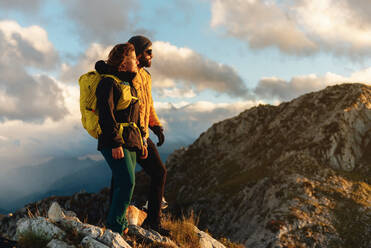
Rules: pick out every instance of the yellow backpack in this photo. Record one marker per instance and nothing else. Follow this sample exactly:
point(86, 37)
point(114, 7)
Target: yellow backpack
point(88, 101)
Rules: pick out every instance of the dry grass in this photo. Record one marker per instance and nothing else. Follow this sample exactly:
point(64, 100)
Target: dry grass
point(73, 237)
point(227, 243)
point(182, 230)
point(32, 240)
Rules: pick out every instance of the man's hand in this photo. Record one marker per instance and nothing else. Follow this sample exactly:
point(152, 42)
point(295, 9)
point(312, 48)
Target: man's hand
point(117, 153)
point(159, 131)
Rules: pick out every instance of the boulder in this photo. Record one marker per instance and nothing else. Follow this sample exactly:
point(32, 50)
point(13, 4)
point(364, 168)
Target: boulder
point(89, 242)
point(82, 228)
point(206, 241)
point(113, 240)
point(55, 212)
point(55, 243)
point(41, 226)
point(150, 236)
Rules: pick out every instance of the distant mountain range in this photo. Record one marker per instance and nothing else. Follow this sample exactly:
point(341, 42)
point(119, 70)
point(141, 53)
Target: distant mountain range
point(59, 176)
point(3, 211)
point(56, 177)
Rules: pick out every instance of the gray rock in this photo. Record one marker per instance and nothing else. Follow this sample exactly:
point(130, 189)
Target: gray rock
point(70, 214)
point(39, 225)
point(150, 235)
point(206, 241)
point(55, 243)
point(89, 242)
point(113, 240)
point(55, 212)
point(82, 228)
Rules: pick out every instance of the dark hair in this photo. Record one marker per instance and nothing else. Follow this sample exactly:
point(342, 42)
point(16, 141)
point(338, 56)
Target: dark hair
point(118, 52)
point(140, 43)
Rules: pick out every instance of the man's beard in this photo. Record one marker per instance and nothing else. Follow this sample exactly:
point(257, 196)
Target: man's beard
point(143, 62)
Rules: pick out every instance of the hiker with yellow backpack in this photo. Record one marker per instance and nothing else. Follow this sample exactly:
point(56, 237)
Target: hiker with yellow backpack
point(110, 112)
point(153, 166)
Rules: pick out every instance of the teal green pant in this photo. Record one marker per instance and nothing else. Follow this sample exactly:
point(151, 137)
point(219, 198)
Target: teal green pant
point(123, 173)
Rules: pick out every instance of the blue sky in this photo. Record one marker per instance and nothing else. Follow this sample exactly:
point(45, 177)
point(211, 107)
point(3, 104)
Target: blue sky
point(213, 59)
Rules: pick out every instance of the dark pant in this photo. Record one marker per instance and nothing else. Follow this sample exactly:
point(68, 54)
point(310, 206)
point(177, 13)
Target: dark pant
point(123, 181)
point(154, 167)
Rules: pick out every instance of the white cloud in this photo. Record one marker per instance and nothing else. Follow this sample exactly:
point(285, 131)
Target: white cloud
point(187, 122)
point(261, 24)
point(301, 27)
point(175, 93)
point(95, 52)
point(283, 90)
point(26, 46)
point(27, 143)
point(29, 98)
point(182, 66)
point(24, 96)
point(361, 76)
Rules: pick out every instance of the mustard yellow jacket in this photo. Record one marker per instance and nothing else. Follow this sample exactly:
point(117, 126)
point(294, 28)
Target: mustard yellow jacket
point(143, 84)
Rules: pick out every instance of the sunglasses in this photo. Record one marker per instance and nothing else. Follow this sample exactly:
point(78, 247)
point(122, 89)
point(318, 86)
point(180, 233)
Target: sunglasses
point(149, 52)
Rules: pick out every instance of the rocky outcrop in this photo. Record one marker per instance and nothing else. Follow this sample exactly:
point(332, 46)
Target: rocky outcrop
point(61, 228)
point(91, 208)
point(57, 226)
point(293, 175)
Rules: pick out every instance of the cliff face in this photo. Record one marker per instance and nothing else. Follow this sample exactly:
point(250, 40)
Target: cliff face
point(293, 175)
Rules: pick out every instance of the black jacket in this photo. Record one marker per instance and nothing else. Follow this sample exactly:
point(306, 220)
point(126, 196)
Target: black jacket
point(108, 94)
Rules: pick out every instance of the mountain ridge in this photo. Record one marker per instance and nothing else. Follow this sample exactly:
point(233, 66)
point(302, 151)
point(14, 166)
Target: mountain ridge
point(272, 174)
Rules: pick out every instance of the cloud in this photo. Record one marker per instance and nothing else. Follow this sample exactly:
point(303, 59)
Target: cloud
point(24, 96)
point(186, 122)
point(95, 157)
point(303, 27)
point(282, 90)
point(26, 143)
point(101, 21)
point(176, 72)
point(361, 8)
point(27, 98)
point(26, 46)
point(95, 52)
point(175, 93)
point(182, 66)
point(96, 21)
point(260, 24)
point(29, 5)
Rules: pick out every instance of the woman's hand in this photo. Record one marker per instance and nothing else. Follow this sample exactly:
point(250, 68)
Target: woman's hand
point(144, 153)
point(117, 153)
